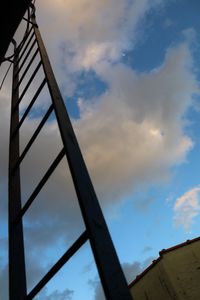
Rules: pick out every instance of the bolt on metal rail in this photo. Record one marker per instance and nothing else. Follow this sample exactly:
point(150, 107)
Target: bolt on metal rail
point(111, 275)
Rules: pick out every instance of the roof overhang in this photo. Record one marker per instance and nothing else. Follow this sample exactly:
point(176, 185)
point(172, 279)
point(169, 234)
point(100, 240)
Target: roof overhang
point(11, 14)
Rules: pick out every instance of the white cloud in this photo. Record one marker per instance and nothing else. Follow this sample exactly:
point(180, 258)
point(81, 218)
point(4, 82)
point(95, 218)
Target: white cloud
point(89, 32)
point(132, 134)
point(187, 208)
point(135, 130)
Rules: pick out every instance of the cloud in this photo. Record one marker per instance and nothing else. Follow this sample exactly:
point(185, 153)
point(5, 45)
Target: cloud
point(4, 282)
point(147, 249)
point(135, 130)
point(190, 35)
point(90, 32)
point(143, 205)
point(58, 295)
point(186, 208)
point(131, 135)
point(131, 270)
point(168, 23)
point(33, 276)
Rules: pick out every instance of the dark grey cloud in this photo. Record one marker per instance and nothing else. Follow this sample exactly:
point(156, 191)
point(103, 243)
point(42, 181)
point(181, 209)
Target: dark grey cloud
point(147, 249)
point(4, 282)
point(131, 270)
point(58, 295)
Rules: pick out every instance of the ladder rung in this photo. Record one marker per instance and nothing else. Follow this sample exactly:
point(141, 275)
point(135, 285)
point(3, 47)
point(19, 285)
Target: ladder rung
point(28, 66)
point(25, 58)
point(29, 21)
point(28, 43)
point(37, 131)
point(28, 84)
point(30, 105)
point(40, 185)
point(25, 39)
point(60, 263)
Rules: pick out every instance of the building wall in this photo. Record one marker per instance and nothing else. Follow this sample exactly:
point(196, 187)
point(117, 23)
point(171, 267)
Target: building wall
point(176, 275)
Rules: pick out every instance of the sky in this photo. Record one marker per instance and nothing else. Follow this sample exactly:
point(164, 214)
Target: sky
point(129, 74)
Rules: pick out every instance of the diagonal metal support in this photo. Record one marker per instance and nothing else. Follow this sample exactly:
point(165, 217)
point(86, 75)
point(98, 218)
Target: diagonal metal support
point(41, 184)
point(32, 139)
point(26, 47)
point(30, 105)
point(28, 84)
point(28, 66)
point(27, 34)
point(59, 264)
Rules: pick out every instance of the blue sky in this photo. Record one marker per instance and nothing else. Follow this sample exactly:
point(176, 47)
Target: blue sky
point(131, 87)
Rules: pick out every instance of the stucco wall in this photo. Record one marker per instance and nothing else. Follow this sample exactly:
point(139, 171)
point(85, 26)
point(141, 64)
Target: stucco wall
point(175, 276)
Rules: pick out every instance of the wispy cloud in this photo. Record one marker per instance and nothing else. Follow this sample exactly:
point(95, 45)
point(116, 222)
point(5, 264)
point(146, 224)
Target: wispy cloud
point(58, 295)
point(187, 208)
point(168, 23)
point(146, 249)
point(90, 32)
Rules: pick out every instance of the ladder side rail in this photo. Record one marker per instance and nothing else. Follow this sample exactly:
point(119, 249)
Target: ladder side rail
point(108, 265)
point(17, 272)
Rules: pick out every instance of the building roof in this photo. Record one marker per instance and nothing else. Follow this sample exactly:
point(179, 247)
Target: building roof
point(11, 13)
point(163, 251)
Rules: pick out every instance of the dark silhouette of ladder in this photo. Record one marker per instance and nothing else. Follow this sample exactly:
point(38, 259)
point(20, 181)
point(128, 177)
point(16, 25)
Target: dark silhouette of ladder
point(111, 275)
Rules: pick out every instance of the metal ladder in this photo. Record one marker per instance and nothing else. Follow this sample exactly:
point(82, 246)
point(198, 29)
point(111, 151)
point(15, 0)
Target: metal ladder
point(111, 275)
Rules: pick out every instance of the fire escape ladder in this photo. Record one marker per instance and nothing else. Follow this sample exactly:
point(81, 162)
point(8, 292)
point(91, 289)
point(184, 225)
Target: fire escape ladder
point(110, 272)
